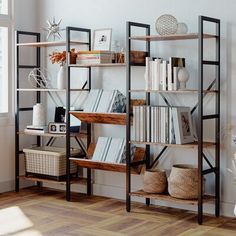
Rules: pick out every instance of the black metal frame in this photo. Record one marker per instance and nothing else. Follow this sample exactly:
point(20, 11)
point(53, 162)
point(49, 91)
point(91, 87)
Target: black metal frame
point(201, 117)
point(68, 89)
point(17, 100)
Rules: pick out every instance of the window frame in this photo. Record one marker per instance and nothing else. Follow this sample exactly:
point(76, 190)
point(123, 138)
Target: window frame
point(7, 20)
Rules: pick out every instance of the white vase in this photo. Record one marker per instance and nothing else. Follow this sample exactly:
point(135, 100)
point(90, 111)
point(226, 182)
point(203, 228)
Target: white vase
point(183, 77)
point(39, 117)
point(61, 78)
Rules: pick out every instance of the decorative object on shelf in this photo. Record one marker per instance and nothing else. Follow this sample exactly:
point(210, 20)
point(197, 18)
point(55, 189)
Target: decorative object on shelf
point(166, 25)
point(233, 172)
point(61, 77)
point(138, 57)
point(183, 77)
point(39, 78)
point(182, 125)
point(39, 115)
point(183, 182)
point(102, 39)
point(182, 28)
point(95, 57)
point(60, 113)
point(53, 29)
point(57, 128)
point(155, 181)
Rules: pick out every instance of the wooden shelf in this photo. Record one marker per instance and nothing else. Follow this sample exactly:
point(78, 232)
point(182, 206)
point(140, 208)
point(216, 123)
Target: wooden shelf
point(117, 167)
point(99, 65)
point(171, 37)
point(187, 91)
point(50, 44)
point(188, 145)
point(74, 180)
point(165, 197)
point(81, 135)
point(101, 118)
point(47, 90)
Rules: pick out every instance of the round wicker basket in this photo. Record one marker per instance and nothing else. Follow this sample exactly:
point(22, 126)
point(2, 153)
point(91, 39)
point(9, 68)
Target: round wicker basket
point(155, 181)
point(183, 182)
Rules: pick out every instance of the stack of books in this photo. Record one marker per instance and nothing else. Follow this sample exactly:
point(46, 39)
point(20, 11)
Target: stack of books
point(94, 57)
point(161, 124)
point(31, 129)
point(105, 101)
point(112, 150)
point(162, 74)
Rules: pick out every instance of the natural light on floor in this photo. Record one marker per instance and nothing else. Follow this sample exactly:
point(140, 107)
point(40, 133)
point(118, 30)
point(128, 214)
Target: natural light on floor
point(14, 222)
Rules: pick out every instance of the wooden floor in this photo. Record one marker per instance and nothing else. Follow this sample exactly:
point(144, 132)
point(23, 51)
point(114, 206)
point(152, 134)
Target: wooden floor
point(34, 212)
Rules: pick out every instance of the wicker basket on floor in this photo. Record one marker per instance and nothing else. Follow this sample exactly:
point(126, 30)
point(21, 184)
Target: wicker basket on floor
point(155, 181)
point(183, 182)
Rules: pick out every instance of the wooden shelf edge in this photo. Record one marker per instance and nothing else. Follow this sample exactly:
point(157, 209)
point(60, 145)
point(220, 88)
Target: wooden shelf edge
point(187, 91)
point(187, 145)
point(116, 167)
point(101, 118)
point(74, 180)
point(171, 37)
point(99, 65)
point(50, 44)
point(165, 197)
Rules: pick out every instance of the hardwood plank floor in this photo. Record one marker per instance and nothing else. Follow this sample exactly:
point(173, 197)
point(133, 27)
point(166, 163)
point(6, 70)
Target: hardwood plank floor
point(37, 212)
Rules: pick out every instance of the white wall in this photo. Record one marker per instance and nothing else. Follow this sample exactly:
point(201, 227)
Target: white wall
point(25, 19)
point(97, 14)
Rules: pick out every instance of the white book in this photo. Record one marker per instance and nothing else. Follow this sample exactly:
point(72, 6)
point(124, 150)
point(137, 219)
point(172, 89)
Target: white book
point(163, 122)
point(34, 131)
point(152, 123)
point(134, 123)
point(101, 143)
point(138, 123)
point(171, 126)
point(167, 119)
point(147, 74)
point(141, 123)
point(158, 74)
point(114, 94)
point(148, 123)
point(104, 102)
point(113, 151)
point(176, 125)
point(176, 82)
point(121, 151)
point(164, 74)
point(105, 150)
point(91, 100)
point(170, 83)
point(94, 109)
point(157, 123)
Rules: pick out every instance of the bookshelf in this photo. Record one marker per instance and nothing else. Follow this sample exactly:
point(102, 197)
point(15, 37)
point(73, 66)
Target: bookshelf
point(201, 92)
point(38, 93)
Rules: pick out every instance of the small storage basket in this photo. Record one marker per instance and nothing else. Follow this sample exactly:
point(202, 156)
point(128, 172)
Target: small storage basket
point(183, 182)
point(48, 162)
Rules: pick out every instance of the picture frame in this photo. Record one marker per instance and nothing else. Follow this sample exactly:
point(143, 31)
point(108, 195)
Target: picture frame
point(183, 125)
point(102, 39)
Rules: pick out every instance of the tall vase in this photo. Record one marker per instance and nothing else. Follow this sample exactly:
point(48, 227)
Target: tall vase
point(61, 77)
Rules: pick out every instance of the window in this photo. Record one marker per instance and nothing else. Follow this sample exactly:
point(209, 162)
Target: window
point(5, 47)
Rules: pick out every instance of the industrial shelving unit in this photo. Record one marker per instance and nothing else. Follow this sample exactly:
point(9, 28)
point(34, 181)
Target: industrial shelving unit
point(200, 144)
point(37, 45)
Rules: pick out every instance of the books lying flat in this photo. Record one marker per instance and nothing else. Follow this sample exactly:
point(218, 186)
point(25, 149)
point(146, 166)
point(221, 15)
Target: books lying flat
point(94, 57)
point(104, 101)
point(109, 150)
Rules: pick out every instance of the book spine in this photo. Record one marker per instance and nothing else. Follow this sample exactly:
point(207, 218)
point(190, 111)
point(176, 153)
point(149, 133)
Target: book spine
point(147, 73)
point(164, 75)
point(152, 124)
point(170, 84)
point(148, 123)
point(175, 74)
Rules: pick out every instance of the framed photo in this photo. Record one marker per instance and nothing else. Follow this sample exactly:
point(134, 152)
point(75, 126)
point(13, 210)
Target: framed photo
point(182, 125)
point(102, 39)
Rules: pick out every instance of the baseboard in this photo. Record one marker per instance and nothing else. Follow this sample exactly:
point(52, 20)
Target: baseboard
point(8, 186)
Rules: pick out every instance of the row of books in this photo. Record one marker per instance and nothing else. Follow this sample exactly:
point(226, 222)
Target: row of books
point(112, 150)
point(162, 74)
point(105, 101)
point(94, 57)
point(160, 124)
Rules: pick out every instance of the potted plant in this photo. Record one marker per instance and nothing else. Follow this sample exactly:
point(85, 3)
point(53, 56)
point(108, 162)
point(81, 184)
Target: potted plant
point(60, 58)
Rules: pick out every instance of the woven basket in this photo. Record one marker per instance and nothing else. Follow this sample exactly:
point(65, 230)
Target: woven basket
point(183, 182)
point(155, 181)
point(47, 161)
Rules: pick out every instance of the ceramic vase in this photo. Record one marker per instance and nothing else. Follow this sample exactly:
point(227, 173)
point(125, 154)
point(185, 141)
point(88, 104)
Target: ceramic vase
point(61, 78)
point(183, 77)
